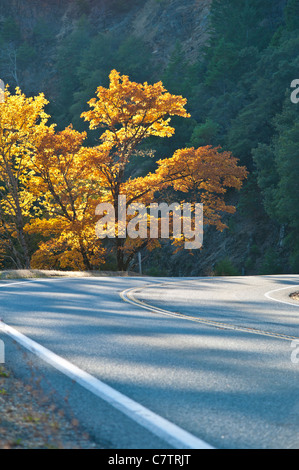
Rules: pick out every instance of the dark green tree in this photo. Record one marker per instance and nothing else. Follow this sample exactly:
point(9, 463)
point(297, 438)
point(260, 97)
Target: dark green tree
point(292, 15)
point(68, 59)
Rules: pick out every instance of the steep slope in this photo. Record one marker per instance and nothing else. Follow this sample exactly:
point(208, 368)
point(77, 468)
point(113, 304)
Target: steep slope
point(237, 95)
point(31, 32)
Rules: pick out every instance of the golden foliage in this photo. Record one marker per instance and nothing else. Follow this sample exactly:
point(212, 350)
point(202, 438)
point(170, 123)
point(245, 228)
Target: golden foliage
point(206, 173)
point(52, 182)
point(68, 192)
point(22, 123)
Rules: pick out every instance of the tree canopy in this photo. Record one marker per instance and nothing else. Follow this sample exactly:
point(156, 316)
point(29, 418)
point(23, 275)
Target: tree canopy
point(53, 183)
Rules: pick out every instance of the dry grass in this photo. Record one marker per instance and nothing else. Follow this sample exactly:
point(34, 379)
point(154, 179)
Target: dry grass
point(39, 274)
point(30, 420)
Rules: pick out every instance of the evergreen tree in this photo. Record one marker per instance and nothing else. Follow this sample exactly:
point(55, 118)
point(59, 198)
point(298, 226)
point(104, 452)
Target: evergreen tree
point(68, 59)
point(292, 14)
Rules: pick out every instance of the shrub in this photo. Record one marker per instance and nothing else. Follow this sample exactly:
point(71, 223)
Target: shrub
point(225, 267)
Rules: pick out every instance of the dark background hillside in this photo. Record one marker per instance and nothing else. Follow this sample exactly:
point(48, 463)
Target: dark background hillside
point(234, 62)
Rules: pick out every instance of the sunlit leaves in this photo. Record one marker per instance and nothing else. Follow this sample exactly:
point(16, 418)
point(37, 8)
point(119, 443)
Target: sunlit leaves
point(130, 112)
point(68, 191)
point(22, 124)
point(52, 181)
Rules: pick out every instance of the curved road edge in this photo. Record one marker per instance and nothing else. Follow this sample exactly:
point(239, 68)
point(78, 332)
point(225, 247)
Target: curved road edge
point(170, 433)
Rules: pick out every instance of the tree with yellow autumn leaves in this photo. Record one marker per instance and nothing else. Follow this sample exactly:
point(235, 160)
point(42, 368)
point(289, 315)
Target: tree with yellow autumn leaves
point(67, 191)
point(22, 123)
point(131, 112)
point(61, 181)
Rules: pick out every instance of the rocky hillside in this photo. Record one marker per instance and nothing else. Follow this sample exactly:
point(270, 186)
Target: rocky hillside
point(42, 25)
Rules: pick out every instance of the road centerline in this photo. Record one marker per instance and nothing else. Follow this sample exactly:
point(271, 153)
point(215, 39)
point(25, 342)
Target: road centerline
point(167, 431)
point(128, 296)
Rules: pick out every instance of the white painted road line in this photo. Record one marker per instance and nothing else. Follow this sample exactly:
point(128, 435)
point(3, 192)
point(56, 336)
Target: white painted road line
point(170, 433)
point(177, 437)
point(268, 295)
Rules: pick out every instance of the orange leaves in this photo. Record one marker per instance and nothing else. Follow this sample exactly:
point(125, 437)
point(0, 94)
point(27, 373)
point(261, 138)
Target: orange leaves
point(206, 173)
point(133, 111)
point(22, 123)
point(68, 245)
point(132, 104)
point(58, 162)
point(51, 179)
point(68, 190)
point(205, 168)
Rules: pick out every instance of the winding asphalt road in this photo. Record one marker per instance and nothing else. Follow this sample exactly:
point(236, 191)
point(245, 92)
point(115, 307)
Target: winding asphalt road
point(191, 362)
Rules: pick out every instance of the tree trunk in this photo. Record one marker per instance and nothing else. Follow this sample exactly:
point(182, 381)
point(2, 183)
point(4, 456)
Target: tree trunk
point(23, 242)
point(85, 257)
point(120, 254)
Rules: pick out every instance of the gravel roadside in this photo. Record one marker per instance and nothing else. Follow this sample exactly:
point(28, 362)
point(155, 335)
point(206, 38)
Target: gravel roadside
point(30, 420)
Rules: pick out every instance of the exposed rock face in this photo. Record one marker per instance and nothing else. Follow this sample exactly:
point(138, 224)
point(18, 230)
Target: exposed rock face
point(45, 24)
point(158, 22)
